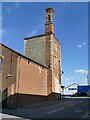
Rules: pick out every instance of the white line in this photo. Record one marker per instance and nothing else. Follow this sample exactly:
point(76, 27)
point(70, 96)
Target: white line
point(85, 116)
point(71, 105)
point(81, 101)
point(56, 110)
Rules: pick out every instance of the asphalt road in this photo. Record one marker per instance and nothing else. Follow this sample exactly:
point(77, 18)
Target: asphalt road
point(72, 108)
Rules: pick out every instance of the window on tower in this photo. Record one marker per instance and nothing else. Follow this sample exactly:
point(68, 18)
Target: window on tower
point(49, 18)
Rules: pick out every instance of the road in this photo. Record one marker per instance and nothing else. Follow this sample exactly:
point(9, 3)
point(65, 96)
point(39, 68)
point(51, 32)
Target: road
point(72, 108)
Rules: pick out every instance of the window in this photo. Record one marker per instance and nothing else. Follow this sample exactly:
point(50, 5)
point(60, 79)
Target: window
point(55, 60)
point(49, 18)
point(1, 61)
point(55, 46)
point(72, 88)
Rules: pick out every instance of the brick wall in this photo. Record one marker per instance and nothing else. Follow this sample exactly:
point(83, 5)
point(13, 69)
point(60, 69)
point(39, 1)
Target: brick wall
point(33, 78)
point(9, 70)
point(22, 78)
point(56, 70)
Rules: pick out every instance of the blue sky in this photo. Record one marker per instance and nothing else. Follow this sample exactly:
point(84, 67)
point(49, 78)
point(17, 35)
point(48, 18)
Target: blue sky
point(20, 20)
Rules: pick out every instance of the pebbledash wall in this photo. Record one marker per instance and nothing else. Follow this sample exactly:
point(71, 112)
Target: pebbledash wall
point(35, 76)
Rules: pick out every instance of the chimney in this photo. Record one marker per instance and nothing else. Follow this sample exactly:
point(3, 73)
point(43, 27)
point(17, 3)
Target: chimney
point(49, 27)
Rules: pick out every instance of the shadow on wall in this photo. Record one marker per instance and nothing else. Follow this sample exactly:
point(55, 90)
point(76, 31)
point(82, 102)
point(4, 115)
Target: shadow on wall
point(26, 101)
point(21, 100)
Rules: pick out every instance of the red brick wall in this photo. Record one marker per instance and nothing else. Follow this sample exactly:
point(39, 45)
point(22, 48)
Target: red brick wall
point(9, 70)
point(49, 72)
point(33, 78)
point(53, 77)
point(56, 68)
point(26, 79)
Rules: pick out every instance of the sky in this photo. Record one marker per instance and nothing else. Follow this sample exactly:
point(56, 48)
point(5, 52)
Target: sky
point(26, 19)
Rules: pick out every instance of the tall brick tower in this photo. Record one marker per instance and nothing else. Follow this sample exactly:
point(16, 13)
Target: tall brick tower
point(45, 49)
point(49, 27)
point(52, 56)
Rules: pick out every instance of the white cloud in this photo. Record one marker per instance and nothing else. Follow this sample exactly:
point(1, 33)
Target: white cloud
point(80, 71)
point(34, 31)
point(81, 45)
point(17, 5)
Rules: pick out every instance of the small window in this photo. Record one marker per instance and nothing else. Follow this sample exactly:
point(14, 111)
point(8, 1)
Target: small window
point(72, 88)
point(1, 62)
point(55, 46)
point(49, 18)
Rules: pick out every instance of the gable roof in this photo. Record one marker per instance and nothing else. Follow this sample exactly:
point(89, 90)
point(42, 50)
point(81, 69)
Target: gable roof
point(37, 36)
point(34, 36)
point(71, 85)
point(23, 56)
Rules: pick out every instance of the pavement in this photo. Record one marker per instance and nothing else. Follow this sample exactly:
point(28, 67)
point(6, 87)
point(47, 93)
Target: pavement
point(43, 104)
point(7, 117)
point(52, 102)
point(70, 107)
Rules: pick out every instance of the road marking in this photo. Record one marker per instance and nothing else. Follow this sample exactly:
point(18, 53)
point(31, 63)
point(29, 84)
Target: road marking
point(85, 116)
point(71, 105)
point(56, 110)
point(81, 101)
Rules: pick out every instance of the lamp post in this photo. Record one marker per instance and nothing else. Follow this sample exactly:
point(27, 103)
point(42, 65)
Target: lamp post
point(62, 87)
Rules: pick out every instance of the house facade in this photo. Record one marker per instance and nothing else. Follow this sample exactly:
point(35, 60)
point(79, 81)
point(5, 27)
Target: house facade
point(34, 76)
point(70, 90)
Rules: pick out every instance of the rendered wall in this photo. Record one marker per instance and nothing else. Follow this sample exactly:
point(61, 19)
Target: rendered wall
point(34, 48)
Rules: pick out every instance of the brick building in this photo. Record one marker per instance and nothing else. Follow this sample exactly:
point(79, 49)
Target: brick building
point(35, 76)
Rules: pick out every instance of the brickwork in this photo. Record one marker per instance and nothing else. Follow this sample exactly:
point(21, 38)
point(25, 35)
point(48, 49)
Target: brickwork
point(49, 27)
point(9, 72)
point(54, 78)
point(21, 77)
point(37, 75)
point(49, 74)
point(56, 81)
point(33, 78)
point(47, 53)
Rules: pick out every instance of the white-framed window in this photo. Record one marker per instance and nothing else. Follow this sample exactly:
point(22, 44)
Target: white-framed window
point(55, 46)
point(55, 60)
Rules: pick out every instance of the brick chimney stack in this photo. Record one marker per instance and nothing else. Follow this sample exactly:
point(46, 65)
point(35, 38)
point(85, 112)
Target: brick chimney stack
point(49, 27)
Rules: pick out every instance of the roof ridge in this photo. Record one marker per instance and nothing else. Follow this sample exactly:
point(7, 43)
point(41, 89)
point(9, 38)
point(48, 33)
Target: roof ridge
point(23, 56)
